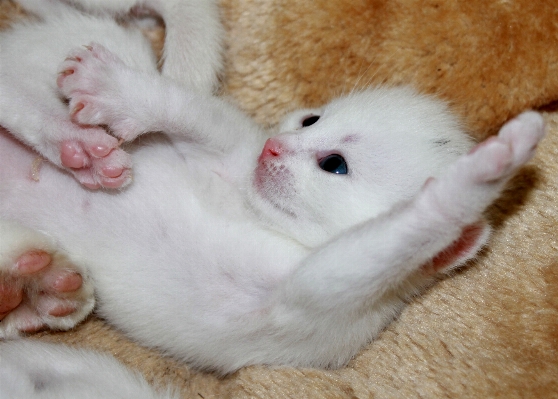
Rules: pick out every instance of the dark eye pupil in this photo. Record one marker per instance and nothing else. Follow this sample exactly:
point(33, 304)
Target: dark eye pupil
point(310, 120)
point(334, 163)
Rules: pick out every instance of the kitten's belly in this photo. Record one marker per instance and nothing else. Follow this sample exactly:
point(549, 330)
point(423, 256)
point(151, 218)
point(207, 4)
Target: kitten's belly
point(155, 244)
point(16, 161)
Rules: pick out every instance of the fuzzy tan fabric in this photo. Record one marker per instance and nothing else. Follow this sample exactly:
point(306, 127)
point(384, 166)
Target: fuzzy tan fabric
point(491, 330)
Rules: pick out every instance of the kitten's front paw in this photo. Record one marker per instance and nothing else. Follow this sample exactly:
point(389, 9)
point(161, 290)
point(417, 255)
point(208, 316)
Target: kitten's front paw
point(41, 288)
point(500, 156)
point(95, 81)
point(476, 179)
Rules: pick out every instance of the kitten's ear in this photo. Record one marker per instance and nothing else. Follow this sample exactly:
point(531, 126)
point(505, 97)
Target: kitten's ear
point(298, 119)
point(471, 241)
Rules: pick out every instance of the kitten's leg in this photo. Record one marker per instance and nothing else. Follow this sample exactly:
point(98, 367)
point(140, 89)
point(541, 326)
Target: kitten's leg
point(33, 369)
point(41, 120)
point(352, 274)
point(193, 50)
point(39, 285)
point(104, 91)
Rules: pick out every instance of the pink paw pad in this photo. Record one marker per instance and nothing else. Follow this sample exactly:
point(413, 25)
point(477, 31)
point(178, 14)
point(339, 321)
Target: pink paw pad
point(10, 298)
point(73, 155)
point(62, 281)
point(32, 262)
point(97, 165)
point(28, 264)
point(38, 289)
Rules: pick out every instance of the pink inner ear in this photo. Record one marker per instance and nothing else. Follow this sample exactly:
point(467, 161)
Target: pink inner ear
point(462, 249)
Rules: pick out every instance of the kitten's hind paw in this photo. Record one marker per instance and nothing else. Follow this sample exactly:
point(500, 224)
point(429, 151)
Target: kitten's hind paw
point(97, 82)
point(41, 288)
point(97, 163)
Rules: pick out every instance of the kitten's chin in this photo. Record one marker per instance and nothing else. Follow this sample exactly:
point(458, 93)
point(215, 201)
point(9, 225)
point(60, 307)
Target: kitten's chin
point(279, 217)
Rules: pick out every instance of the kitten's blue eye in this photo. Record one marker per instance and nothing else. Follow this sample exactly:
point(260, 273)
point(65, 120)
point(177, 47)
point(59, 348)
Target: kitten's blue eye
point(310, 120)
point(334, 163)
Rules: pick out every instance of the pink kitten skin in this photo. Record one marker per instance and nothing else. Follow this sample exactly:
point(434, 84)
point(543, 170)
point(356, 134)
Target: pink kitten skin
point(10, 298)
point(464, 247)
point(222, 272)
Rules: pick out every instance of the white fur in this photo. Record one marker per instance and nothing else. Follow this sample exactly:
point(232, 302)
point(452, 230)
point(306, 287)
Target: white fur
point(58, 372)
point(224, 260)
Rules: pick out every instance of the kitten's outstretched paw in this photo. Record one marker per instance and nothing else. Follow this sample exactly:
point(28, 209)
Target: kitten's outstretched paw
point(476, 179)
point(93, 78)
point(524, 134)
point(41, 288)
point(458, 198)
point(500, 156)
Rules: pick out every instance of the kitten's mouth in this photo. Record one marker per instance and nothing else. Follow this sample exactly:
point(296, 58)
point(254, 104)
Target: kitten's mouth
point(273, 181)
point(272, 178)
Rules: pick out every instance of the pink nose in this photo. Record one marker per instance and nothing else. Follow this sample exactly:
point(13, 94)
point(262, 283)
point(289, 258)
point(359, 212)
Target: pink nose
point(272, 148)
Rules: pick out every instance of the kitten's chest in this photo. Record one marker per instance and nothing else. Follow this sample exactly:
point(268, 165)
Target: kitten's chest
point(203, 235)
point(219, 184)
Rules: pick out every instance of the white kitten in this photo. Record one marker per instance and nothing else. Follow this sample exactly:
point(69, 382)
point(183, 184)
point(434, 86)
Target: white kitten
point(225, 255)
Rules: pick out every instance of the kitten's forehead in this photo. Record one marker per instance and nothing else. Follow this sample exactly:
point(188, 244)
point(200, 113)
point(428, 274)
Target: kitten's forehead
point(391, 114)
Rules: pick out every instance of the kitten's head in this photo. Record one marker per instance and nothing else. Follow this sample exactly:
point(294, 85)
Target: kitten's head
point(334, 167)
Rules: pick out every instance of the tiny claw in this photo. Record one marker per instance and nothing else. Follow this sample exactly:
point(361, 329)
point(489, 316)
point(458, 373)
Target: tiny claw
point(77, 59)
point(77, 108)
point(62, 76)
point(90, 48)
point(66, 72)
